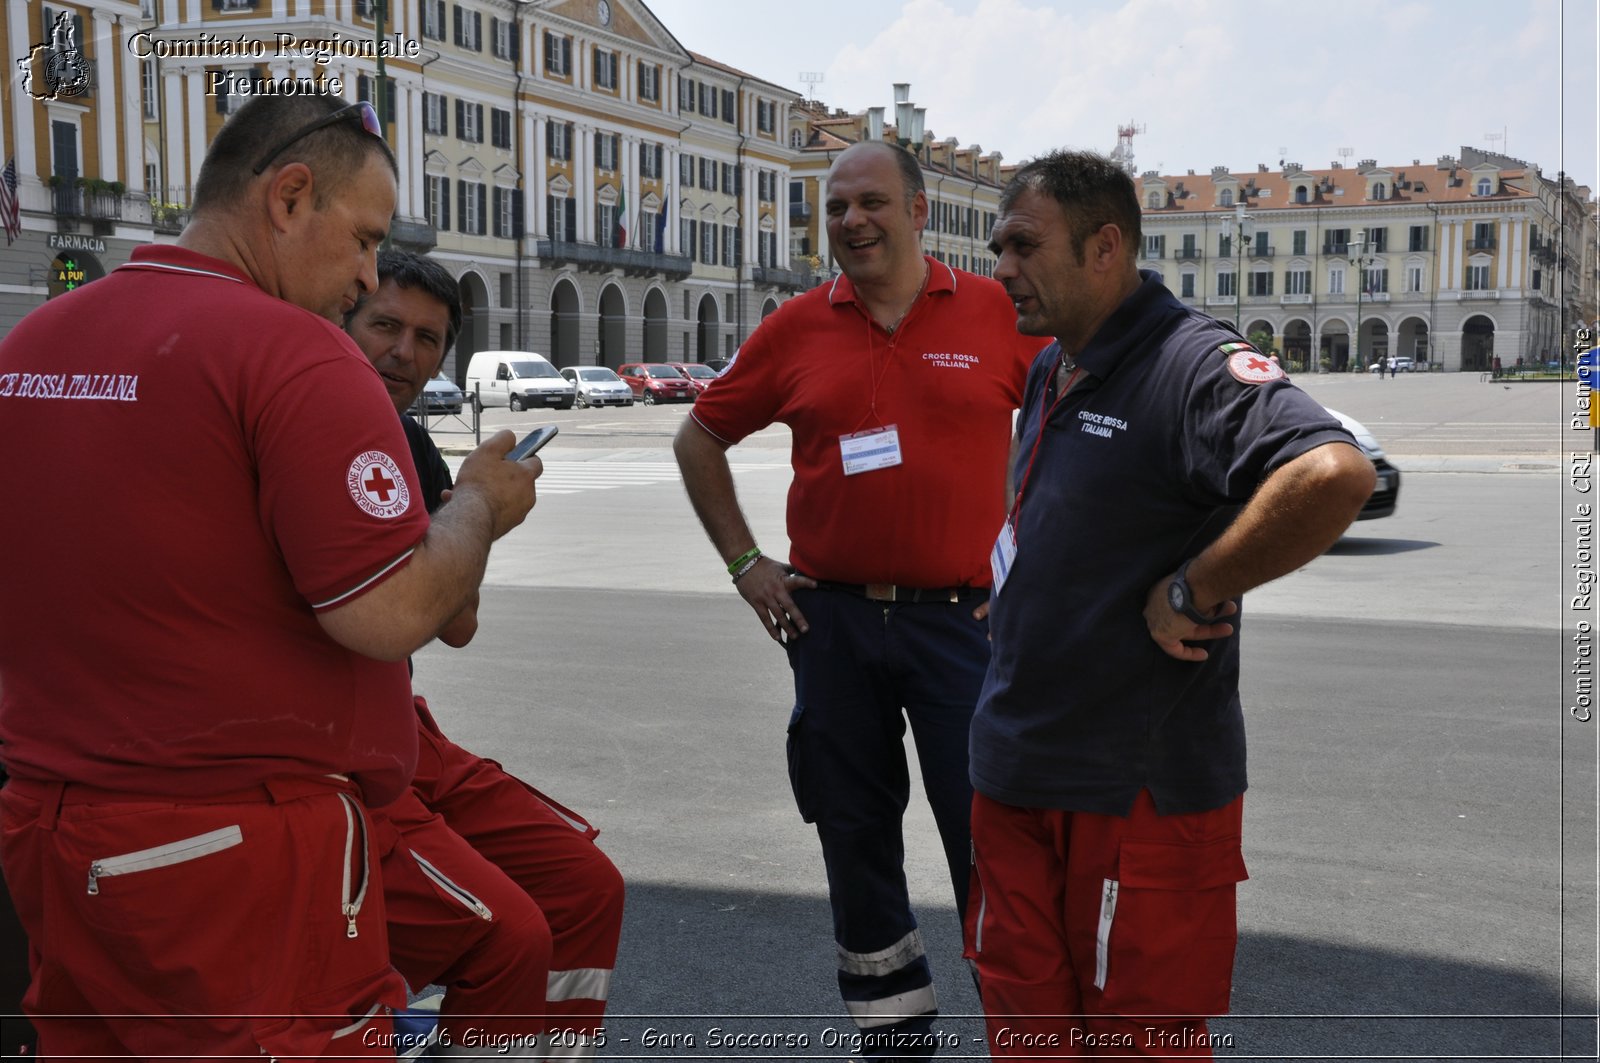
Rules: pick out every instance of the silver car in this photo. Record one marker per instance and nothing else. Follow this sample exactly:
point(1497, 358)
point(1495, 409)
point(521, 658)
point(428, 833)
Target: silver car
point(595, 385)
point(440, 395)
point(1386, 494)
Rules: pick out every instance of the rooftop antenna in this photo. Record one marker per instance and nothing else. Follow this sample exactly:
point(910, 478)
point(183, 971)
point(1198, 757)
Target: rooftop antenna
point(810, 79)
point(1122, 154)
point(1495, 137)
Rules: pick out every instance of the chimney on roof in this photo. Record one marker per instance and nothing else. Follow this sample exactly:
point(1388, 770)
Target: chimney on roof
point(1446, 162)
point(1191, 173)
point(1149, 173)
point(1261, 167)
point(1293, 167)
point(874, 123)
point(1336, 165)
point(1219, 171)
point(1367, 164)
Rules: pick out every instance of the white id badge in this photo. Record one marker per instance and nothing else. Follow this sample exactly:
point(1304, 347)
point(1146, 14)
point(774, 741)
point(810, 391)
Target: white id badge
point(876, 448)
point(1003, 554)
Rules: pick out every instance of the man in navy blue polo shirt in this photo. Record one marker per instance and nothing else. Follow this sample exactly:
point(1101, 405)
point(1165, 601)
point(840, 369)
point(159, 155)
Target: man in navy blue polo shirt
point(1162, 468)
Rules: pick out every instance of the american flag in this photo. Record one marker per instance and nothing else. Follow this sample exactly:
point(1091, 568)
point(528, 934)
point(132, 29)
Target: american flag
point(10, 212)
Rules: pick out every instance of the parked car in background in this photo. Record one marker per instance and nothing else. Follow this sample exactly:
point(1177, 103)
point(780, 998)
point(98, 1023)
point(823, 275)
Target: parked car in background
point(1386, 494)
point(596, 385)
point(654, 382)
point(720, 364)
point(1396, 365)
point(440, 395)
point(518, 380)
point(700, 374)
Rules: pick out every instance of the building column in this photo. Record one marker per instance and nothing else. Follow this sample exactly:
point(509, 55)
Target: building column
point(628, 169)
point(669, 206)
point(534, 182)
point(194, 140)
point(583, 189)
point(113, 97)
point(133, 118)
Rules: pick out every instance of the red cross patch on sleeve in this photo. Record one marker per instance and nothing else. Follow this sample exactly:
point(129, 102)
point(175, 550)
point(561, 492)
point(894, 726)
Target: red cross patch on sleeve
point(1250, 366)
point(377, 485)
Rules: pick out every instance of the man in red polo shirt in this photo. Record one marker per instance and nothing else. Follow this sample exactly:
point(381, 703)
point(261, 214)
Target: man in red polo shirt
point(898, 381)
point(205, 615)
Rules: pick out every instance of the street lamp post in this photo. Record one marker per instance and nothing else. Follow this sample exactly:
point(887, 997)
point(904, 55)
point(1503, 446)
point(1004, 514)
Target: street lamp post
point(1360, 261)
point(1238, 229)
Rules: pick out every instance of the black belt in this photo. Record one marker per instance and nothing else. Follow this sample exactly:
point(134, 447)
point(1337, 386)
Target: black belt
point(888, 592)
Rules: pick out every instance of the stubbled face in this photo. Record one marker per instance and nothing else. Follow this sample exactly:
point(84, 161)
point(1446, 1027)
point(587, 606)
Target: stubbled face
point(1049, 283)
point(331, 260)
point(402, 332)
point(872, 228)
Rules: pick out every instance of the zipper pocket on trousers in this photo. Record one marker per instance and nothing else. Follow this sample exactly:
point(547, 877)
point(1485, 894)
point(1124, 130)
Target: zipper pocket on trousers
point(164, 855)
point(1102, 936)
point(353, 897)
point(441, 880)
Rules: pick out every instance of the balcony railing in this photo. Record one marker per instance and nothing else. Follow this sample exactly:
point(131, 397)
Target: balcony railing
point(1260, 251)
point(1188, 254)
point(1221, 300)
point(596, 258)
point(1331, 248)
point(799, 212)
point(1153, 252)
point(1481, 243)
point(1294, 300)
point(414, 234)
point(794, 280)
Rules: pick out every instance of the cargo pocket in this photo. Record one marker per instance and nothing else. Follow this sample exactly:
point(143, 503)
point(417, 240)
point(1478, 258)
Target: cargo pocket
point(459, 894)
point(178, 852)
point(1167, 926)
point(793, 750)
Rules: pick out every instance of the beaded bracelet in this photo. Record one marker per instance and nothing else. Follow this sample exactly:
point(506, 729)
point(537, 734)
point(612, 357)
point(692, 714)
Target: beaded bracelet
point(739, 563)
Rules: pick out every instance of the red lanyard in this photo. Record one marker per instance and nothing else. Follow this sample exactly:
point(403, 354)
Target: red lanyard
point(1044, 415)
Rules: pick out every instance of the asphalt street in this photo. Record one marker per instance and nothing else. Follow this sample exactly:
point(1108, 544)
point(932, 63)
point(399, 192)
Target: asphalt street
point(1420, 827)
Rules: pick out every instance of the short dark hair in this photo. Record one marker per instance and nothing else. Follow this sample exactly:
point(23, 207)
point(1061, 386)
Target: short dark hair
point(410, 270)
point(334, 154)
point(1091, 189)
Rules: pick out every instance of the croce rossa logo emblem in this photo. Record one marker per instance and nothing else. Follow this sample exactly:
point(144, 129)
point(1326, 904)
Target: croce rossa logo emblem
point(57, 68)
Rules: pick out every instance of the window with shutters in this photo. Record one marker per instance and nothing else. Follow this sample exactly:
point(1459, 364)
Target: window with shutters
point(439, 202)
point(649, 82)
point(557, 55)
point(434, 112)
point(650, 160)
point(500, 128)
point(433, 19)
point(469, 121)
point(468, 29)
point(505, 40)
point(558, 141)
point(605, 69)
point(686, 170)
point(606, 150)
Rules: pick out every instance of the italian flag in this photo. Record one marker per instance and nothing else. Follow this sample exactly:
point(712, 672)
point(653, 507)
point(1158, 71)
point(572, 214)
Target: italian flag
point(622, 217)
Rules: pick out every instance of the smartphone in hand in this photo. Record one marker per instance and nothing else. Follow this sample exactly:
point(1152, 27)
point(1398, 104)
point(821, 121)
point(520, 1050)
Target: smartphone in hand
point(529, 444)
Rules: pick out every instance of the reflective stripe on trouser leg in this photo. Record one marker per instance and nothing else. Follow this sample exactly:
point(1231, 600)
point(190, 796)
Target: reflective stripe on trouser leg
point(576, 1001)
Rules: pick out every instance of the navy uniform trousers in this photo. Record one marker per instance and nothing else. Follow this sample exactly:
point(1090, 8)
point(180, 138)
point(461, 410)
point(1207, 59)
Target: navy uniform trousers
point(861, 672)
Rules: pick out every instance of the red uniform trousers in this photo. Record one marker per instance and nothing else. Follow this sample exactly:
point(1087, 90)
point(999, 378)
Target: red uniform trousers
point(1103, 935)
point(499, 894)
point(233, 925)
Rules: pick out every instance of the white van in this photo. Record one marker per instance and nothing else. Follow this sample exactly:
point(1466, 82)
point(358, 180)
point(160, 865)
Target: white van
point(517, 379)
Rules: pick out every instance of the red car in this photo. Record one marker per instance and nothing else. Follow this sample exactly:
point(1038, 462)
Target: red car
point(699, 374)
point(654, 382)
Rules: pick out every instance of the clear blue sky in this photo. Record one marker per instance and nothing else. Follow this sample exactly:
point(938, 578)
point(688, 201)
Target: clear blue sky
point(1214, 82)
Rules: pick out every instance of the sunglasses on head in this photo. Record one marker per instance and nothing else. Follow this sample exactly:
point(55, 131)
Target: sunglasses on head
point(363, 110)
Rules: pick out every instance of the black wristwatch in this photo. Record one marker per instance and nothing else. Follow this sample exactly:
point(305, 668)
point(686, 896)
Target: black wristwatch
point(1181, 598)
